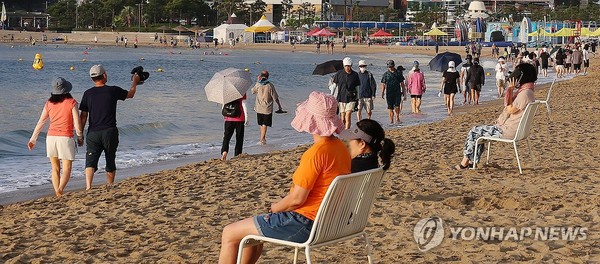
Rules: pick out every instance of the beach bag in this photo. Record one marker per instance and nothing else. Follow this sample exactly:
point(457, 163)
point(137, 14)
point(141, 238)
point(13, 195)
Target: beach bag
point(232, 109)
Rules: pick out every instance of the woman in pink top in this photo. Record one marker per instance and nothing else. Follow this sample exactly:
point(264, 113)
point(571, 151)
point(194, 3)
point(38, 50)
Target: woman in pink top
point(62, 111)
point(416, 87)
point(235, 124)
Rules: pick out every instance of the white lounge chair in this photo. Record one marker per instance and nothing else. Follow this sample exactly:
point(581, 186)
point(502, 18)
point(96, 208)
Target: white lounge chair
point(343, 215)
point(547, 101)
point(522, 133)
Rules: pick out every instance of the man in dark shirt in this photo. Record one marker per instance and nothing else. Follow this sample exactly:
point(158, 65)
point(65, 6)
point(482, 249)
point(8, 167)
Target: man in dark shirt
point(476, 80)
point(367, 90)
point(100, 104)
point(544, 57)
point(392, 87)
point(347, 81)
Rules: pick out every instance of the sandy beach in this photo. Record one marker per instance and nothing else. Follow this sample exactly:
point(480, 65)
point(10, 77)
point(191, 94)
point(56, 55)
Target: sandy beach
point(147, 39)
point(176, 216)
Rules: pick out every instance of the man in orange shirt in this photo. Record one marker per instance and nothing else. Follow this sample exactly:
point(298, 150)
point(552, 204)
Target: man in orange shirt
point(292, 217)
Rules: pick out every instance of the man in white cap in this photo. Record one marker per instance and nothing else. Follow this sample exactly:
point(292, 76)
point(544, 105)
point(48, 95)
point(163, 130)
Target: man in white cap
point(347, 81)
point(501, 73)
point(100, 104)
point(366, 91)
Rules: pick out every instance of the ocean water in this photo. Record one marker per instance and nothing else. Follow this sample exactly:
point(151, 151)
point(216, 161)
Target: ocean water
point(169, 118)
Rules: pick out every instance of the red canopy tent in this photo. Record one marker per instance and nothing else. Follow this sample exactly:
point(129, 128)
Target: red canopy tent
point(381, 33)
point(311, 32)
point(324, 33)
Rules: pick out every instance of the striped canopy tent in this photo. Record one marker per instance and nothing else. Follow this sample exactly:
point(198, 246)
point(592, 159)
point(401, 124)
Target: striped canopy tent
point(435, 32)
point(540, 32)
point(261, 26)
point(596, 33)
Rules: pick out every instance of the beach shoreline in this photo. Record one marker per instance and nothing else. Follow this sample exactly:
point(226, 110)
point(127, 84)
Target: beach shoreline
point(146, 39)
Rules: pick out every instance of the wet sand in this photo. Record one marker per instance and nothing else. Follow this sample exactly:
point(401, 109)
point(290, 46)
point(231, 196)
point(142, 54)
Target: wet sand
point(176, 216)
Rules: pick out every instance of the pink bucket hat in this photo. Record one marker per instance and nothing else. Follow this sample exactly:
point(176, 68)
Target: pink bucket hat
point(317, 115)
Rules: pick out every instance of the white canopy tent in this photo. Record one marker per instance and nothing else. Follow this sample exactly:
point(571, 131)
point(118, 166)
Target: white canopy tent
point(230, 30)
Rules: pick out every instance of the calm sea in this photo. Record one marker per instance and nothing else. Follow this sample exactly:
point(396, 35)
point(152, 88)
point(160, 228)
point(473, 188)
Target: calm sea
point(169, 118)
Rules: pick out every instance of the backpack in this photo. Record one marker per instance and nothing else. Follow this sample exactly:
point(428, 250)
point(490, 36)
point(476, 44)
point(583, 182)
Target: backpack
point(232, 109)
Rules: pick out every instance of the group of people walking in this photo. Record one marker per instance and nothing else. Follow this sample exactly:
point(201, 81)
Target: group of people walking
point(98, 107)
point(355, 91)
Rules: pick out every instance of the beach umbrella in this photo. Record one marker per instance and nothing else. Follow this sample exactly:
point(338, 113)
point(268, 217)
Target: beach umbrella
point(163, 28)
point(440, 61)
point(180, 28)
point(228, 85)
point(328, 67)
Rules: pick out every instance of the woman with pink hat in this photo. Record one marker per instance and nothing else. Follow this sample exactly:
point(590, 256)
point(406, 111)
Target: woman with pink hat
point(292, 217)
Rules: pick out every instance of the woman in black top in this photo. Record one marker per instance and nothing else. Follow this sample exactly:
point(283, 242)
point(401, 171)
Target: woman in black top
point(367, 143)
point(450, 83)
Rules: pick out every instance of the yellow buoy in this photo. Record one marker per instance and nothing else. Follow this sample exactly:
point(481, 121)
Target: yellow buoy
point(84, 60)
point(160, 70)
point(487, 74)
point(38, 64)
point(72, 68)
point(246, 69)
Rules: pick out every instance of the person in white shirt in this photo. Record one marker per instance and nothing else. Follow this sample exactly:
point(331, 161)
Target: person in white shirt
point(586, 61)
point(501, 72)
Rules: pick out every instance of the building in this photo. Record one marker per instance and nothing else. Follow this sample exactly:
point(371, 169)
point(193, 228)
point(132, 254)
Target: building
point(274, 9)
point(450, 7)
point(341, 10)
point(453, 7)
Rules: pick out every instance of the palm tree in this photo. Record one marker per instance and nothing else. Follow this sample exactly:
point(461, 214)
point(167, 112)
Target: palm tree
point(127, 14)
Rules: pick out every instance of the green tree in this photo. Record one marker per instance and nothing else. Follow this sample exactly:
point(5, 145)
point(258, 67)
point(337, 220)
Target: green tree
point(286, 8)
point(127, 15)
point(256, 10)
point(63, 14)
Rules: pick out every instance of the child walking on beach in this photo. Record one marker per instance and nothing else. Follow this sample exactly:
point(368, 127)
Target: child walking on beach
point(62, 111)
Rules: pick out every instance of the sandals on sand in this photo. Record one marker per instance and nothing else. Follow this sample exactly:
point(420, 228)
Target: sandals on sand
point(461, 167)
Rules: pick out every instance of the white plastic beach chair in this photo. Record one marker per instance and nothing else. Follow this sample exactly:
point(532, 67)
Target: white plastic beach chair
point(547, 101)
point(522, 133)
point(343, 215)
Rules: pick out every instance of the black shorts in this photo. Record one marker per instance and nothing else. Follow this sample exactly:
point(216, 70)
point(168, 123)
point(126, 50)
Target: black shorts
point(264, 120)
point(476, 87)
point(106, 141)
point(567, 65)
point(586, 63)
point(416, 96)
point(576, 67)
point(545, 66)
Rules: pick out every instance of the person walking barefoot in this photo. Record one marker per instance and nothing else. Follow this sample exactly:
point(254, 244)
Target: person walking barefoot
point(450, 84)
point(61, 110)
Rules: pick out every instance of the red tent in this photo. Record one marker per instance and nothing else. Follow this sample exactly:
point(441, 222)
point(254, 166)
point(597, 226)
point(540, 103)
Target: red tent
point(324, 33)
point(381, 33)
point(310, 33)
